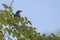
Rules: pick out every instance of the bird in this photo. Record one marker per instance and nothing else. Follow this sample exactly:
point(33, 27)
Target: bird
point(18, 13)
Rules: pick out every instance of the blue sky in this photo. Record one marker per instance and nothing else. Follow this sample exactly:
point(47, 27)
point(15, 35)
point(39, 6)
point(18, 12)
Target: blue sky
point(44, 14)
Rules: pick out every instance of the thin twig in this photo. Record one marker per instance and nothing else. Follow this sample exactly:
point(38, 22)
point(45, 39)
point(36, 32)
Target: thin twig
point(11, 3)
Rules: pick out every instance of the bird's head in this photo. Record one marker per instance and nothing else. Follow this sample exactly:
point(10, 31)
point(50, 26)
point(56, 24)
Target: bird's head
point(19, 11)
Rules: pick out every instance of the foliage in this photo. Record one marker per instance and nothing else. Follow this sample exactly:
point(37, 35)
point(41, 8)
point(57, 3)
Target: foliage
point(21, 28)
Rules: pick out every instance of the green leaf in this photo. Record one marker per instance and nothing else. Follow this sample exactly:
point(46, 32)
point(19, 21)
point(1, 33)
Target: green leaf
point(10, 9)
point(29, 22)
point(9, 31)
point(26, 18)
point(5, 6)
point(22, 19)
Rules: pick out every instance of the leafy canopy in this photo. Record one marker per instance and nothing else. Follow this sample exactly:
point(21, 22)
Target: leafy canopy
point(21, 28)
